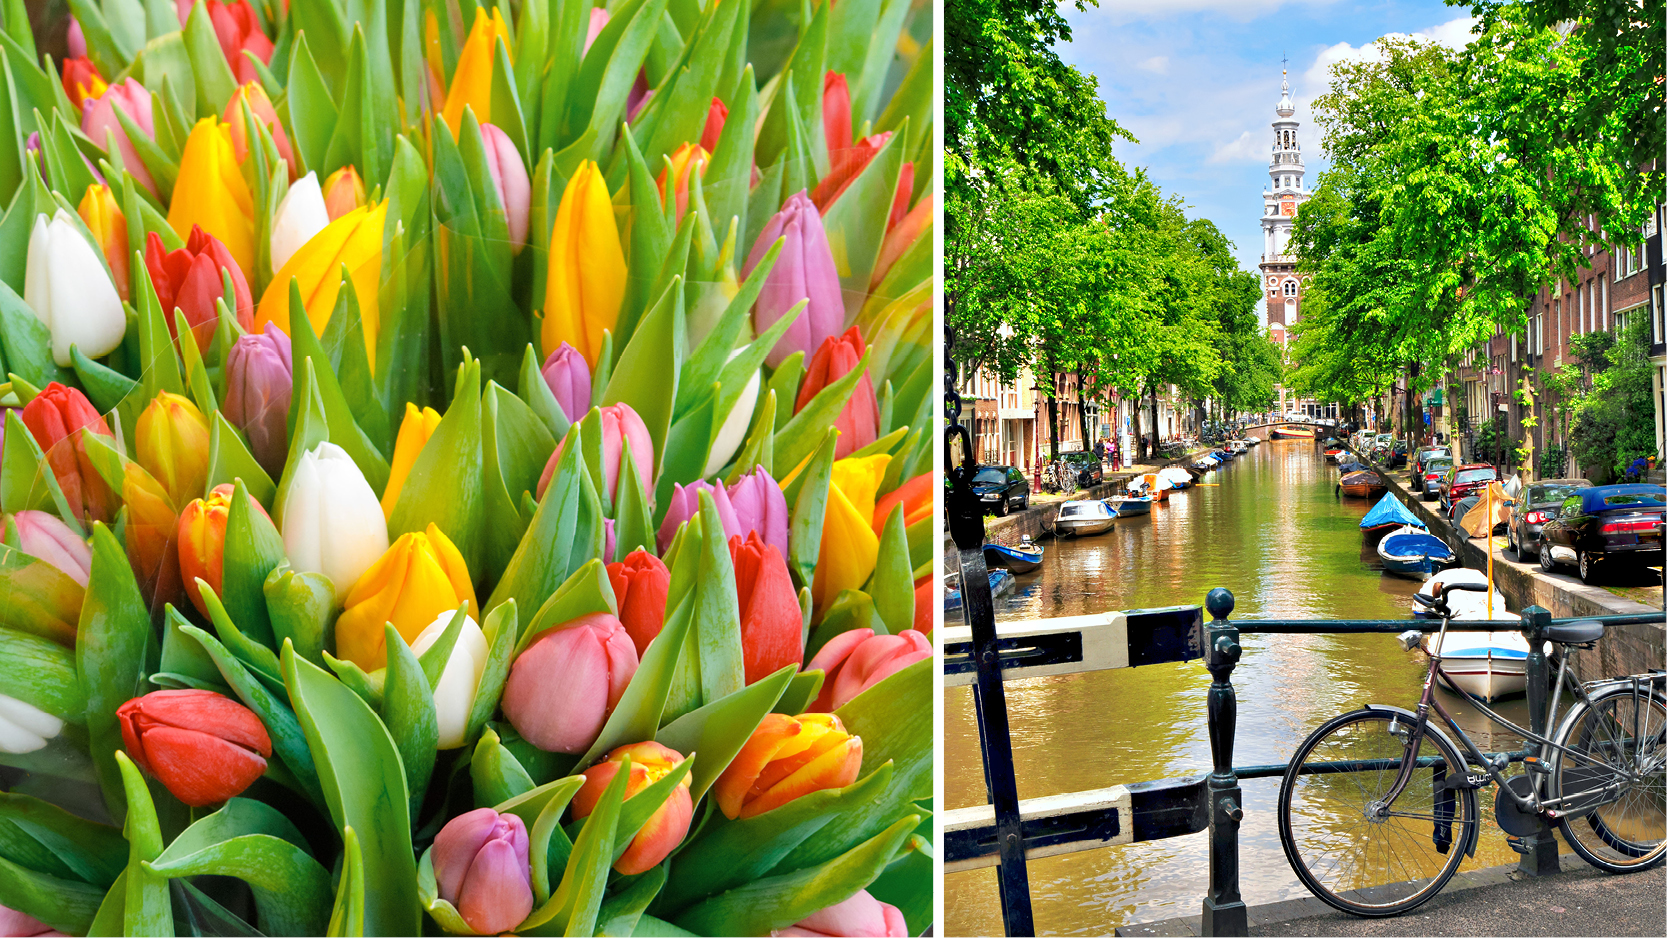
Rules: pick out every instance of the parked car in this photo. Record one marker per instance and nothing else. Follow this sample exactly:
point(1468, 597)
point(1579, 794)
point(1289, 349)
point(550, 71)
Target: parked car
point(1397, 455)
point(1001, 488)
point(1538, 504)
point(1087, 466)
point(1434, 468)
point(1605, 526)
point(1417, 461)
point(1462, 480)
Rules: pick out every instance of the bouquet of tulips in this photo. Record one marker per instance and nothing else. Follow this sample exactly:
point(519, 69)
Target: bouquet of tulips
point(465, 468)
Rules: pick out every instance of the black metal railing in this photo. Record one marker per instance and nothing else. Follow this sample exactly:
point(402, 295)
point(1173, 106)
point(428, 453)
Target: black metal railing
point(1174, 807)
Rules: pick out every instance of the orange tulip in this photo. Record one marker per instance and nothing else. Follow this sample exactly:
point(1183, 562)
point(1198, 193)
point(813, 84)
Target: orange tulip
point(690, 157)
point(109, 227)
point(915, 496)
point(414, 432)
point(261, 107)
point(666, 827)
point(471, 81)
point(788, 757)
point(344, 191)
point(202, 541)
point(82, 81)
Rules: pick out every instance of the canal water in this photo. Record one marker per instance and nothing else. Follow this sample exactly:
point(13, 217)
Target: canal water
point(1272, 529)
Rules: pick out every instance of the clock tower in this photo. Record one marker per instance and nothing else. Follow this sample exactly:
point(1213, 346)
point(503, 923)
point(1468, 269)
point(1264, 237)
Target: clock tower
point(1281, 284)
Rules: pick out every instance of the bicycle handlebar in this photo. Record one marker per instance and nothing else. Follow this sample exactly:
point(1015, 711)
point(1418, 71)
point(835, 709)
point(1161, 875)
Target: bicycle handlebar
point(1440, 604)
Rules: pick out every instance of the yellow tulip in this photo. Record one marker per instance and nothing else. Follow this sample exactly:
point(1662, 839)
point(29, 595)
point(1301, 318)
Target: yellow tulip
point(419, 578)
point(587, 267)
point(414, 432)
point(173, 445)
point(471, 82)
point(355, 239)
point(211, 193)
point(849, 544)
point(105, 220)
point(860, 480)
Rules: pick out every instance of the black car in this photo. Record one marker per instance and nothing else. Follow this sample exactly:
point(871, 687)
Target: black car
point(1087, 466)
point(1398, 455)
point(1539, 503)
point(1604, 526)
point(1001, 488)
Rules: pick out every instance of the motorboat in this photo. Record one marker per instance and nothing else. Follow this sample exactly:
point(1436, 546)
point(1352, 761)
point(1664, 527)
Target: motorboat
point(1001, 581)
point(1410, 552)
point(1021, 559)
point(1292, 433)
point(1176, 476)
point(1363, 484)
point(1332, 453)
point(1083, 517)
point(1387, 515)
point(1485, 665)
point(1150, 484)
point(1128, 505)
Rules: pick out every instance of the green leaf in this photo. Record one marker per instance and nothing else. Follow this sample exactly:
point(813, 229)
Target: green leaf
point(408, 711)
point(892, 584)
point(503, 632)
point(540, 564)
point(229, 460)
point(183, 658)
point(621, 911)
point(254, 656)
point(27, 341)
point(718, 730)
point(806, 684)
point(92, 852)
point(113, 644)
point(633, 516)
point(148, 911)
point(573, 908)
point(535, 392)
point(255, 843)
point(444, 487)
point(808, 494)
point(347, 917)
point(586, 591)
point(213, 75)
point(344, 343)
point(712, 667)
point(253, 549)
point(41, 673)
point(310, 107)
point(497, 775)
point(516, 446)
point(645, 375)
point(300, 606)
point(65, 904)
point(637, 715)
point(344, 431)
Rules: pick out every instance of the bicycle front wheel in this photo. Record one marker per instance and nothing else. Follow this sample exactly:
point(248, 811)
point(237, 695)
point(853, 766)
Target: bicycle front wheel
point(1352, 847)
point(1611, 779)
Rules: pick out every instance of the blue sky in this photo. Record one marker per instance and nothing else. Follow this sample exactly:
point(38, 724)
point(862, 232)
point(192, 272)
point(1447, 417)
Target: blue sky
point(1196, 82)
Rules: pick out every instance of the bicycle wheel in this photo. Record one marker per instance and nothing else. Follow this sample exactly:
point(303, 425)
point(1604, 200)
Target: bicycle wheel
point(1612, 779)
point(1352, 851)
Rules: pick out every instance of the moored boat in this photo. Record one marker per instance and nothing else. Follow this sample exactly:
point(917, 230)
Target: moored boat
point(1001, 581)
point(1410, 552)
point(1387, 515)
point(1128, 505)
point(1176, 476)
point(1363, 484)
point(1487, 665)
point(1332, 454)
point(1083, 517)
point(1021, 559)
point(1292, 433)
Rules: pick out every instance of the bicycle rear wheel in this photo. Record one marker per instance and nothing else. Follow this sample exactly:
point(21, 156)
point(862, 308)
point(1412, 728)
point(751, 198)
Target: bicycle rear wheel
point(1350, 849)
point(1612, 777)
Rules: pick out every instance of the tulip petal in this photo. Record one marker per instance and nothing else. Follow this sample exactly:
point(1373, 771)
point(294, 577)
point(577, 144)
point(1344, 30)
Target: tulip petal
point(497, 894)
point(834, 768)
point(198, 768)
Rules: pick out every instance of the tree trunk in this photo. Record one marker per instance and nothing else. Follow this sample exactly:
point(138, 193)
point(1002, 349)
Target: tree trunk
point(1154, 422)
point(1053, 417)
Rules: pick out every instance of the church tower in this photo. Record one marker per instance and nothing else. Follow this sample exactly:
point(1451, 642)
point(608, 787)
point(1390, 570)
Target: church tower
point(1281, 283)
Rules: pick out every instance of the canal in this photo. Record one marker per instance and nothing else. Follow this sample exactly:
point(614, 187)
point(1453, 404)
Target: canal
point(1271, 529)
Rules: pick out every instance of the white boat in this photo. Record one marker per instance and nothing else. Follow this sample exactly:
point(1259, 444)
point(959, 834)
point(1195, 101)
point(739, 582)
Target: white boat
point(1176, 476)
point(1485, 665)
point(1083, 517)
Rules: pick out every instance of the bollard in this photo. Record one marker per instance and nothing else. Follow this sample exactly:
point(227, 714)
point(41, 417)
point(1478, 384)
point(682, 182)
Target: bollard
point(1539, 850)
point(1224, 911)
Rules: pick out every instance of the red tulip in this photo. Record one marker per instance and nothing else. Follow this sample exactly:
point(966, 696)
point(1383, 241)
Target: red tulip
point(189, 279)
point(53, 418)
point(836, 112)
point(859, 422)
point(856, 660)
point(238, 31)
point(772, 629)
point(716, 114)
point(204, 747)
point(82, 81)
point(925, 595)
point(847, 164)
point(666, 827)
point(640, 583)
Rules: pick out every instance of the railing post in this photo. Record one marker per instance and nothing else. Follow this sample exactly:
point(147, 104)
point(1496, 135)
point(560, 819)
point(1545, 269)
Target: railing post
point(1224, 911)
point(1539, 850)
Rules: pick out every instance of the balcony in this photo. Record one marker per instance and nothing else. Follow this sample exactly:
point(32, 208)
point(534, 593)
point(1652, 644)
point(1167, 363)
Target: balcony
point(1279, 258)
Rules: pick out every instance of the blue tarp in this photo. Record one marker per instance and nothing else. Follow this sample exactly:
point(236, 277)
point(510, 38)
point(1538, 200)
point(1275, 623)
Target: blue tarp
point(1389, 510)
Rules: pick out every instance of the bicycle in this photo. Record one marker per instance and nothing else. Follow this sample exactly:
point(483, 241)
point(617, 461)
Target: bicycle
point(1377, 809)
point(1059, 477)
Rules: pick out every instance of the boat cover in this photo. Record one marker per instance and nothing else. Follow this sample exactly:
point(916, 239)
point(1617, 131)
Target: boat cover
point(1403, 544)
point(1390, 510)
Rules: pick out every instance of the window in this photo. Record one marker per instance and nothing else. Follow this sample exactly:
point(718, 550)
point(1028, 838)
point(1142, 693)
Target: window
point(1290, 288)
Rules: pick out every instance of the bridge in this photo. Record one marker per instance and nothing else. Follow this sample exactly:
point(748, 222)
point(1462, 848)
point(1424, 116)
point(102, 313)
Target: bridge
point(1264, 431)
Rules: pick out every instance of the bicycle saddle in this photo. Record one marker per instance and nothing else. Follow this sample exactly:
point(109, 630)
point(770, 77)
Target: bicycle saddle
point(1578, 632)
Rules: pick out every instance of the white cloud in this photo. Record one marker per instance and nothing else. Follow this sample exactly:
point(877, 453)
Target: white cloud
point(1454, 33)
point(1247, 146)
point(1157, 63)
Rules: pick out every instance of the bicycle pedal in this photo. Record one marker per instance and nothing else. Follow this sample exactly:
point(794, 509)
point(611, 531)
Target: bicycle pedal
point(1533, 764)
point(1519, 844)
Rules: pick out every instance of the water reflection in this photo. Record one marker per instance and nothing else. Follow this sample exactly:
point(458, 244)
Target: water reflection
point(1274, 531)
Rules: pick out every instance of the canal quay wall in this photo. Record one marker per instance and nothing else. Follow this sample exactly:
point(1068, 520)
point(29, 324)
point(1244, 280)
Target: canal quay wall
point(1629, 649)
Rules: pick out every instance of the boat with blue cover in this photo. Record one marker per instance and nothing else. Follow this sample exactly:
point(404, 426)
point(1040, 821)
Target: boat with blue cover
point(1387, 515)
point(1021, 559)
point(1001, 581)
point(1410, 552)
point(1128, 505)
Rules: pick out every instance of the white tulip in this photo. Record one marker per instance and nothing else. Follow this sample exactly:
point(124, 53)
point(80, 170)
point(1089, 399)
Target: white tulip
point(65, 283)
point(331, 519)
point(25, 727)
point(454, 696)
point(300, 215)
point(734, 430)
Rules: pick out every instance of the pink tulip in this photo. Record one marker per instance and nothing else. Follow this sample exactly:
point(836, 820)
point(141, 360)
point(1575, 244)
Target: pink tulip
point(685, 504)
point(760, 506)
point(862, 914)
point(598, 20)
point(44, 537)
point(858, 659)
point(563, 687)
point(568, 376)
point(13, 922)
point(638, 97)
point(619, 424)
point(509, 176)
point(805, 268)
point(76, 39)
point(98, 115)
point(481, 867)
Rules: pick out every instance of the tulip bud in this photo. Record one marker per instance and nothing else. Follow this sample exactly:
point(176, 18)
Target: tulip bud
point(760, 506)
point(858, 659)
point(638, 97)
point(330, 519)
point(151, 537)
point(640, 582)
point(212, 194)
point(712, 132)
point(733, 431)
point(301, 214)
point(82, 80)
point(53, 418)
point(25, 727)
point(619, 424)
point(44, 537)
point(586, 281)
point(685, 504)
point(471, 80)
point(481, 868)
point(239, 31)
point(914, 495)
point(902, 236)
point(568, 376)
point(598, 20)
point(13, 922)
point(258, 388)
point(202, 541)
point(804, 269)
point(75, 39)
point(686, 159)
point(772, 629)
point(261, 107)
point(862, 914)
point(850, 547)
point(561, 690)
point(172, 440)
point(785, 758)
point(607, 540)
point(104, 219)
point(418, 578)
point(509, 178)
point(414, 432)
point(859, 421)
point(344, 191)
point(666, 827)
point(454, 695)
point(836, 112)
point(66, 286)
point(204, 747)
point(353, 241)
point(98, 118)
point(925, 596)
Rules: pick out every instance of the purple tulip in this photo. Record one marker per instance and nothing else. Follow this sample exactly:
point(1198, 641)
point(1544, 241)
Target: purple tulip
point(561, 690)
point(805, 268)
point(608, 549)
point(568, 376)
point(760, 506)
point(481, 868)
point(259, 379)
point(76, 39)
point(99, 115)
point(509, 176)
point(685, 504)
point(44, 537)
point(638, 97)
